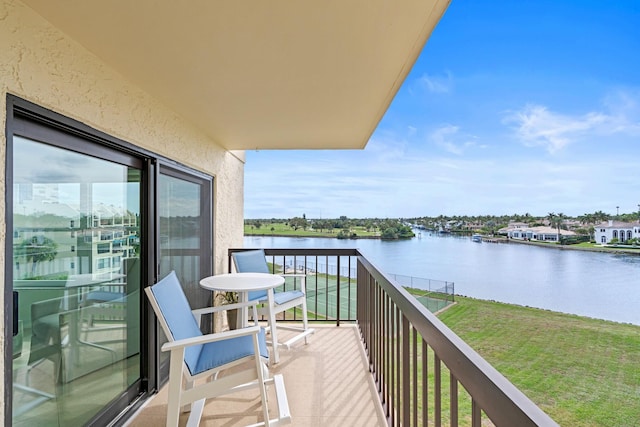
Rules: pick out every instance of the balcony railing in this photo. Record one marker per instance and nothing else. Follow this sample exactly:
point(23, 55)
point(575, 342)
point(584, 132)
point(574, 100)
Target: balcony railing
point(331, 282)
point(423, 372)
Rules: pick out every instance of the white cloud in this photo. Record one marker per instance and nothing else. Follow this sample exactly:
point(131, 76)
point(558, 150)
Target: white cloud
point(386, 145)
point(448, 137)
point(436, 84)
point(364, 184)
point(624, 106)
point(399, 175)
point(536, 125)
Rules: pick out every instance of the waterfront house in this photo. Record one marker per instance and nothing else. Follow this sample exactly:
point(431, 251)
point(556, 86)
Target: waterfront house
point(125, 123)
point(473, 226)
point(539, 233)
point(517, 225)
point(605, 232)
point(513, 226)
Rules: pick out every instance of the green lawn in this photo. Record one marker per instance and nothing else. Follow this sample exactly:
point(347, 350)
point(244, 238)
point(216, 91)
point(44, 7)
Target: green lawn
point(581, 371)
point(585, 246)
point(282, 229)
point(617, 248)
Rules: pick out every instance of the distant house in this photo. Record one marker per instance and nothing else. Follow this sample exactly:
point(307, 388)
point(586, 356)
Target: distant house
point(623, 231)
point(512, 226)
point(471, 226)
point(540, 233)
point(572, 224)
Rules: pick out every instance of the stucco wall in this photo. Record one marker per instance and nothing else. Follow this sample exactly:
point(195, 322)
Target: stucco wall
point(44, 66)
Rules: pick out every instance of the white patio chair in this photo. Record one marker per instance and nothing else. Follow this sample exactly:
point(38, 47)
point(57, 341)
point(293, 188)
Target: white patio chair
point(273, 302)
point(195, 356)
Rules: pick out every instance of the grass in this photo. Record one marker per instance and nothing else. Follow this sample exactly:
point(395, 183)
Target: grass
point(585, 246)
point(282, 229)
point(616, 248)
point(581, 371)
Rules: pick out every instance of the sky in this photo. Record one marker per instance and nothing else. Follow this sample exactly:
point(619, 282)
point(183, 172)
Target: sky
point(513, 107)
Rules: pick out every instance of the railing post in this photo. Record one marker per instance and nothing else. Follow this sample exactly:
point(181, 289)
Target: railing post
point(425, 383)
point(453, 400)
point(437, 388)
point(388, 353)
point(404, 365)
point(414, 359)
point(338, 293)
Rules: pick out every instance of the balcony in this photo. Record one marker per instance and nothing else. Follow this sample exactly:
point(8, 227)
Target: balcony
point(327, 381)
point(379, 357)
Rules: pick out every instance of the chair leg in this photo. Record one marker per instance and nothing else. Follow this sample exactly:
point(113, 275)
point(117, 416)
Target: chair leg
point(188, 385)
point(260, 370)
point(305, 320)
point(175, 388)
point(274, 334)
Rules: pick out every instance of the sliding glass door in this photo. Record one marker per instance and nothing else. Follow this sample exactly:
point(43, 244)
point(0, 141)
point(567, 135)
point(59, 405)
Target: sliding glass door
point(185, 238)
point(91, 221)
point(76, 272)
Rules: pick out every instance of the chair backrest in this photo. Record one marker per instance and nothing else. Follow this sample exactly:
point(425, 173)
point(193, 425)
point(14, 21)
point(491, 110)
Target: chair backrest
point(175, 316)
point(253, 261)
point(46, 339)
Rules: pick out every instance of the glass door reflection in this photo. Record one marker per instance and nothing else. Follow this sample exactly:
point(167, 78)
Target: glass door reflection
point(76, 268)
point(184, 209)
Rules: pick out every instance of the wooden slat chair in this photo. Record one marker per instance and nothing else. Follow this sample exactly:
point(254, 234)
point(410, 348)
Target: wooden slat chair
point(272, 302)
point(195, 356)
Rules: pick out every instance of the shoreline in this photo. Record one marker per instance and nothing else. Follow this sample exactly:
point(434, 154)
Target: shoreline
point(576, 248)
point(312, 236)
point(484, 240)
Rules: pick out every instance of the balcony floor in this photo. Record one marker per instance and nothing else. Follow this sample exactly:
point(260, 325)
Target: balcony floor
point(327, 382)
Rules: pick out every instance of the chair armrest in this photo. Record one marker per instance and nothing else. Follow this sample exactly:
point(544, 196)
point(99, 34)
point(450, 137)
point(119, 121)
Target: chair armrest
point(303, 281)
point(198, 312)
point(208, 310)
point(203, 339)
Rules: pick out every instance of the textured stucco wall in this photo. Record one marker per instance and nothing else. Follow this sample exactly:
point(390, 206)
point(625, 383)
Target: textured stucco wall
point(44, 66)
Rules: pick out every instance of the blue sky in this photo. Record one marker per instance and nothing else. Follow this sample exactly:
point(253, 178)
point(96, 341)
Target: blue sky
point(512, 107)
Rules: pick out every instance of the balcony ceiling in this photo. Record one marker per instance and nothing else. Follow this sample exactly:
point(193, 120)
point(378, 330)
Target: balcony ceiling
point(277, 74)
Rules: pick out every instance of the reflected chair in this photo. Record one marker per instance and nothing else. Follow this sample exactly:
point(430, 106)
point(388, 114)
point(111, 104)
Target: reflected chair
point(108, 302)
point(45, 344)
point(195, 356)
point(274, 302)
point(46, 334)
point(37, 396)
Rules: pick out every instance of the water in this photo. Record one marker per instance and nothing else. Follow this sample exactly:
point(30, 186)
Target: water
point(593, 284)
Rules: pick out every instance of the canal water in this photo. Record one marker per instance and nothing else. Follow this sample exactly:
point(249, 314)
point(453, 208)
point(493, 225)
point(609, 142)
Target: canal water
point(593, 284)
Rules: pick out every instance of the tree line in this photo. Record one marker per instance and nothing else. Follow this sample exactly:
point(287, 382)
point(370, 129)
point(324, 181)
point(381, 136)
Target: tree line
point(343, 227)
point(485, 224)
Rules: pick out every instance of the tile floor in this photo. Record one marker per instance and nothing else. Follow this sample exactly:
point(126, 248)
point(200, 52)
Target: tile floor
point(327, 382)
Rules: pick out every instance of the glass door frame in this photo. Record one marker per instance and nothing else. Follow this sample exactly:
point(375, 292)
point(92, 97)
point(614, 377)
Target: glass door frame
point(37, 123)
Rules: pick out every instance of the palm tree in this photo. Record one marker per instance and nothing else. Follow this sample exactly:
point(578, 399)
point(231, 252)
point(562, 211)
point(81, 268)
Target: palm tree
point(555, 219)
point(586, 219)
point(561, 218)
point(551, 217)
